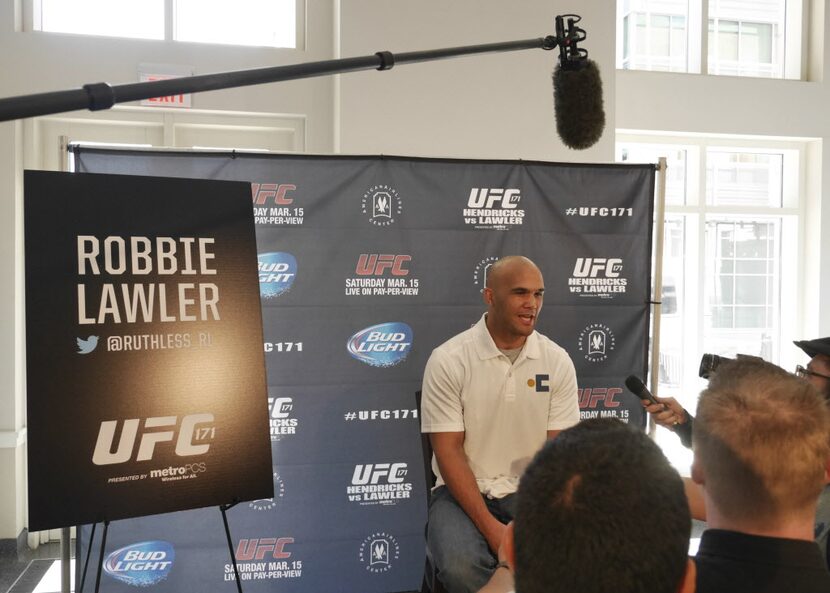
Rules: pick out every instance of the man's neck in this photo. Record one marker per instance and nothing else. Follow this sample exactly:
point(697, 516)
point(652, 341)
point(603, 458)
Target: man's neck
point(508, 342)
point(796, 527)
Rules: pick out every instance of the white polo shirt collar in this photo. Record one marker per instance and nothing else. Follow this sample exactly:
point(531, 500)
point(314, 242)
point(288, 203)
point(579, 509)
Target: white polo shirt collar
point(486, 347)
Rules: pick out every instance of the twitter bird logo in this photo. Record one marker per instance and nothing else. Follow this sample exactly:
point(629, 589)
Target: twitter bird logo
point(88, 345)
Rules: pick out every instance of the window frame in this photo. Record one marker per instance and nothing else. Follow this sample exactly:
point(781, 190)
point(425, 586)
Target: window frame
point(692, 217)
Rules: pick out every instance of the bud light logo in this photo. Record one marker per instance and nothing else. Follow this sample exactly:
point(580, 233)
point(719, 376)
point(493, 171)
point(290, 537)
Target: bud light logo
point(142, 564)
point(277, 271)
point(382, 345)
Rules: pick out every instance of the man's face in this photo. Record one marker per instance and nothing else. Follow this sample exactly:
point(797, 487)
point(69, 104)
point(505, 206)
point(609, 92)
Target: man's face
point(820, 364)
point(515, 300)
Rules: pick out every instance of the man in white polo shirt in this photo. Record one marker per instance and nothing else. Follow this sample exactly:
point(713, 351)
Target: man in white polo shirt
point(491, 397)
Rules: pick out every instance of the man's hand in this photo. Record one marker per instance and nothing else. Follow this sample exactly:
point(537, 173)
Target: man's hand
point(459, 478)
point(494, 534)
point(503, 555)
point(666, 413)
point(502, 580)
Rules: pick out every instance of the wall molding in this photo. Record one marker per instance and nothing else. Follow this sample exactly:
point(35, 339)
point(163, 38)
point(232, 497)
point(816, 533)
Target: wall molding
point(12, 439)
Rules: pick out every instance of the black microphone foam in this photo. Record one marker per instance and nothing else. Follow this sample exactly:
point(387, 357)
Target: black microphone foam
point(578, 106)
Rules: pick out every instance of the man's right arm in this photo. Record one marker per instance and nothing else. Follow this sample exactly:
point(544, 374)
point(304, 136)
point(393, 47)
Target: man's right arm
point(669, 413)
point(461, 482)
point(442, 416)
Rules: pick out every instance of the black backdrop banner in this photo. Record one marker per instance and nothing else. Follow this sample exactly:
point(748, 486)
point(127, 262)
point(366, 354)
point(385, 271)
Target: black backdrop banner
point(144, 377)
point(365, 265)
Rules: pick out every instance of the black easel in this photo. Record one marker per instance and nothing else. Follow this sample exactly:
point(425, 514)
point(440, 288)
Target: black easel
point(223, 508)
point(100, 556)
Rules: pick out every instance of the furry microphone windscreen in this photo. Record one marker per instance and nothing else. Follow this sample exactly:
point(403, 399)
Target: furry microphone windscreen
point(578, 107)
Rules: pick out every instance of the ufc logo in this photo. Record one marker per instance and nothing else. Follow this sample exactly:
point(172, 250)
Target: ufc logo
point(372, 473)
point(262, 192)
point(188, 432)
point(281, 406)
point(586, 267)
point(489, 197)
point(590, 398)
point(373, 264)
point(256, 549)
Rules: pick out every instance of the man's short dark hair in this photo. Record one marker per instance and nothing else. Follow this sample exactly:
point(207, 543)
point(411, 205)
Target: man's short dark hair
point(601, 510)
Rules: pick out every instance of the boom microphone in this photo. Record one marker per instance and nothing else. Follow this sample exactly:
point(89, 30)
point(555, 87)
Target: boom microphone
point(577, 89)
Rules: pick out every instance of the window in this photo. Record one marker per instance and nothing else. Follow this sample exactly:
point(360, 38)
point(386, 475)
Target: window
point(655, 41)
point(271, 23)
point(744, 178)
point(747, 38)
point(761, 38)
point(730, 239)
point(139, 19)
point(242, 22)
point(741, 48)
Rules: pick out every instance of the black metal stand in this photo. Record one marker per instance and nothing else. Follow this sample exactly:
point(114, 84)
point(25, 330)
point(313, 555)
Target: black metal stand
point(101, 555)
point(224, 508)
point(88, 554)
point(101, 95)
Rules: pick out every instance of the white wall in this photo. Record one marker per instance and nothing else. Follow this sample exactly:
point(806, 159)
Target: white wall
point(488, 106)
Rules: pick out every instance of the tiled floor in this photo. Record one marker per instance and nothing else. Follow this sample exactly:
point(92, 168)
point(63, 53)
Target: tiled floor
point(30, 571)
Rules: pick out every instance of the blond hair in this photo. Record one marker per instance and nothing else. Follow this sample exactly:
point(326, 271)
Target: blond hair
point(762, 439)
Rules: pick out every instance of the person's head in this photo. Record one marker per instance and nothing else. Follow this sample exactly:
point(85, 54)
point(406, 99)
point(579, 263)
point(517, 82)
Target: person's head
point(513, 294)
point(762, 442)
point(817, 371)
point(600, 509)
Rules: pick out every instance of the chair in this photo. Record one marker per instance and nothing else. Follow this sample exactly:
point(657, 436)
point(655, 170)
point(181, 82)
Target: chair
point(430, 583)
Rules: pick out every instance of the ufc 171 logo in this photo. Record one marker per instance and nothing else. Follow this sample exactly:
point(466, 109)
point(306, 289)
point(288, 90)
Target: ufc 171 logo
point(493, 198)
point(591, 267)
point(374, 264)
point(281, 406)
point(187, 436)
point(370, 473)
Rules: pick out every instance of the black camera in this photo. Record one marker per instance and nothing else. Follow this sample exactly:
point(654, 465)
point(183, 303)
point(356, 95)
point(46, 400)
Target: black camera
point(710, 362)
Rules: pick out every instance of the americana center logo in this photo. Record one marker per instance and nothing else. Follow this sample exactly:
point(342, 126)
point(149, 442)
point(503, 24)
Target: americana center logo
point(378, 552)
point(596, 342)
point(382, 204)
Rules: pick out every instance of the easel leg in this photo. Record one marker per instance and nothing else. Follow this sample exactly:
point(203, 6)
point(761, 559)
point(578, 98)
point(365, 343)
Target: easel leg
point(101, 555)
point(223, 508)
point(88, 554)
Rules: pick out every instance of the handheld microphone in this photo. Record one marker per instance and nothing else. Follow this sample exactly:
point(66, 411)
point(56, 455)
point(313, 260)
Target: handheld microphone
point(639, 389)
point(577, 89)
point(684, 431)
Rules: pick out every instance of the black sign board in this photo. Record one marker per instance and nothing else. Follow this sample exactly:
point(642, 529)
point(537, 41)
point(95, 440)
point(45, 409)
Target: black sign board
point(145, 368)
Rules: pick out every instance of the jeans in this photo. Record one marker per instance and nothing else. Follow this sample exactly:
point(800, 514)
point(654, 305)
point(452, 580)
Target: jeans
point(457, 550)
